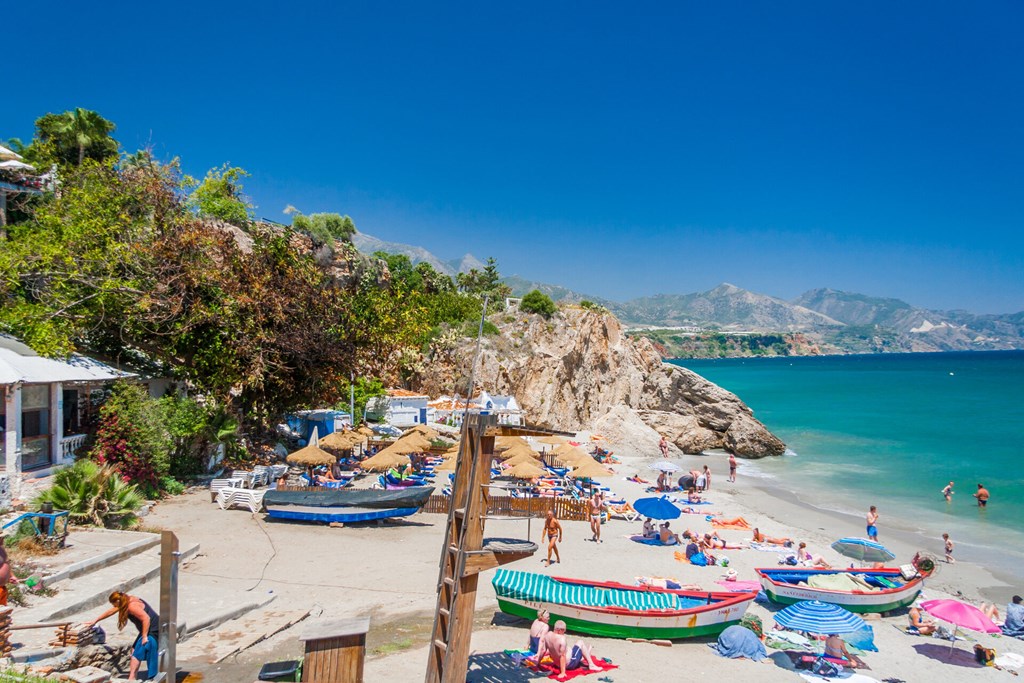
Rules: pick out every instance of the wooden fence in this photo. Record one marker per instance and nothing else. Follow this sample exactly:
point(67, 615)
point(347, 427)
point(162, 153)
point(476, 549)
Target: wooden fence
point(506, 506)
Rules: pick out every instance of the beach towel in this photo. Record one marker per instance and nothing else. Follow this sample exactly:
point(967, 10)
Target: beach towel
point(737, 641)
point(804, 659)
point(863, 640)
point(637, 538)
point(740, 586)
point(765, 547)
point(851, 678)
point(739, 524)
point(548, 665)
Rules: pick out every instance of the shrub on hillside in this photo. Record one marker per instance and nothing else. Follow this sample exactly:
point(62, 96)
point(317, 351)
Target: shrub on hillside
point(92, 494)
point(133, 437)
point(538, 302)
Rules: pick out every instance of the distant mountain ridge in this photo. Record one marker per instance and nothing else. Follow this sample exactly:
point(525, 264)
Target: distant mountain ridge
point(827, 320)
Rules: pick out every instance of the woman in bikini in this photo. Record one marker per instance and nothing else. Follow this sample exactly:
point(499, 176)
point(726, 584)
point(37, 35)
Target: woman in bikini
point(716, 542)
point(761, 538)
point(554, 533)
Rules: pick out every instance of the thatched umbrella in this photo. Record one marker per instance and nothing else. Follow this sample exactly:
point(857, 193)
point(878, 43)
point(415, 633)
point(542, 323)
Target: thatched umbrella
point(447, 465)
point(502, 443)
point(365, 431)
point(518, 450)
point(588, 469)
point(571, 456)
point(522, 457)
point(406, 446)
point(342, 440)
point(421, 442)
point(525, 470)
point(385, 460)
point(312, 455)
point(553, 440)
point(422, 430)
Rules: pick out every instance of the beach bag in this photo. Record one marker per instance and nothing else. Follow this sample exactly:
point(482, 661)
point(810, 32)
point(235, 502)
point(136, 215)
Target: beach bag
point(823, 667)
point(985, 656)
point(699, 560)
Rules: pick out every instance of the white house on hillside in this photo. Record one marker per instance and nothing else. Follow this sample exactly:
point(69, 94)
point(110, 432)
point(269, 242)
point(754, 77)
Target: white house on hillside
point(42, 402)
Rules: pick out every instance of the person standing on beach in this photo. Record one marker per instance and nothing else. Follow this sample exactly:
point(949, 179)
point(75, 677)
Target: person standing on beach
point(663, 447)
point(707, 478)
point(553, 530)
point(982, 496)
point(596, 505)
point(872, 520)
point(732, 468)
point(949, 548)
point(947, 492)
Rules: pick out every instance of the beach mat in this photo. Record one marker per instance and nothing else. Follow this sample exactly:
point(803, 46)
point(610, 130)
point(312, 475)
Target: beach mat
point(768, 547)
point(960, 635)
point(637, 538)
point(740, 586)
point(548, 666)
point(804, 659)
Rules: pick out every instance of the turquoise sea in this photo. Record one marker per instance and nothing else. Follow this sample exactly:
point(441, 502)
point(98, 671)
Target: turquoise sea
point(891, 430)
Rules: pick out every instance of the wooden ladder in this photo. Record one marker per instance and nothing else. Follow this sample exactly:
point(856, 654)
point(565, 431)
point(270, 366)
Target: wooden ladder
point(463, 556)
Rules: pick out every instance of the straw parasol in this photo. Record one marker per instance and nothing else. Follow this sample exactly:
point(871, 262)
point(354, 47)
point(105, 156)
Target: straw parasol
point(519, 450)
point(417, 441)
point(588, 469)
point(447, 465)
point(405, 447)
point(522, 457)
point(365, 431)
point(312, 455)
point(525, 470)
point(502, 443)
point(342, 440)
point(572, 456)
point(385, 460)
point(553, 440)
point(422, 430)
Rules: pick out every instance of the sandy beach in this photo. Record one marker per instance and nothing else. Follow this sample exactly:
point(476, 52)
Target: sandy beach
point(390, 572)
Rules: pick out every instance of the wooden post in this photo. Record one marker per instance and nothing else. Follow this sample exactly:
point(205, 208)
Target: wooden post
point(335, 650)
point(168, 633)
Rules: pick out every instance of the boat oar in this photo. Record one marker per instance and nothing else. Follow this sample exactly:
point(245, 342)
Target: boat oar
point(660, 643)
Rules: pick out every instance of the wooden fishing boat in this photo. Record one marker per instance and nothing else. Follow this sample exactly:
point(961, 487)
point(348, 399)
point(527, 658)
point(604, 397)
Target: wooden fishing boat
point(617, 610)
point(857, 590)
point(318, 504)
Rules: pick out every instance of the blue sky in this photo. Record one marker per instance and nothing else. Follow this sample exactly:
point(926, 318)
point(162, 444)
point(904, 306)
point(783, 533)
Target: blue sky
point(873, 147)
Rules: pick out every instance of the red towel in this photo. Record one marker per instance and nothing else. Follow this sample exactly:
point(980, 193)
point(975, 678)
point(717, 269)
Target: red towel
point(581, 671)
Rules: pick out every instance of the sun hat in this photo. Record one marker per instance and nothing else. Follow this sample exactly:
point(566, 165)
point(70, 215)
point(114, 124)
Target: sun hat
point(731, 575)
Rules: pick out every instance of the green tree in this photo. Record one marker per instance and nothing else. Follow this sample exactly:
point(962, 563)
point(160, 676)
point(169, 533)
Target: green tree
point(365, 388)
point(325, 228)
point(219, 195)
point(77, 135)
point(133, 436)
point(538, 302)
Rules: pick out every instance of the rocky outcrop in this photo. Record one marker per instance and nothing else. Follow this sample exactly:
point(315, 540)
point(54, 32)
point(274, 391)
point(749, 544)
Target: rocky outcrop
point(578, 367)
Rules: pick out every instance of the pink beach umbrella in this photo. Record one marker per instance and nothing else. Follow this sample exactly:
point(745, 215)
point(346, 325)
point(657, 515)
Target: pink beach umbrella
point(961, 615)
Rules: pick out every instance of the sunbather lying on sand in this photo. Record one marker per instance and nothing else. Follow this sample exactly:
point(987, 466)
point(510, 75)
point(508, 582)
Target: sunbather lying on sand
point(717, 542)
point(761, 538)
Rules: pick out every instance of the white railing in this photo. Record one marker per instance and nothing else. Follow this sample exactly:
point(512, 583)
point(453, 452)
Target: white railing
point(69, 445)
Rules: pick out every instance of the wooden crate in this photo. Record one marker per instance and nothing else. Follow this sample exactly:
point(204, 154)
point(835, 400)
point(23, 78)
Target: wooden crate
point(335, 650)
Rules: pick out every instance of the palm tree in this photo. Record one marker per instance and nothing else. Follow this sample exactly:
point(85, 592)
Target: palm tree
point(93, 494)
point(78, 134)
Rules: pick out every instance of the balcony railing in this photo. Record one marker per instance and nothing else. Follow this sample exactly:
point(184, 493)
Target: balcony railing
point(69, 445)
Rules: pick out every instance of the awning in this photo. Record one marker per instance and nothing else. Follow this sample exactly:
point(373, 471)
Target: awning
point(15, 367)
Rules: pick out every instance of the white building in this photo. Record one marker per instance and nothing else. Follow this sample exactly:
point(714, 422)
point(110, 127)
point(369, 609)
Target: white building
point(42, 402)
point(407, 408)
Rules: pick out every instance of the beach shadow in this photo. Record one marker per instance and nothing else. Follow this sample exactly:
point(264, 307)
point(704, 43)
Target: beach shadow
point(782, 660)
point(941, 653)
point(502, 619)
point(497, 667)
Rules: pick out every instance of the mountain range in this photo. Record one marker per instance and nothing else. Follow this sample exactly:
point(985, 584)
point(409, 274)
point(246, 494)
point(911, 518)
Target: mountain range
point(817, 321)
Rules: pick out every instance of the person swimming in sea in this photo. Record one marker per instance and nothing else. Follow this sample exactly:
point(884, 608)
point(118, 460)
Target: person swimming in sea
point(947, 492)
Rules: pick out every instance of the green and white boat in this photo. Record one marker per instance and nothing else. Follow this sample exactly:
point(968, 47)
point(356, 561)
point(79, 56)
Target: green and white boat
point(616, 610)
point(856, 590)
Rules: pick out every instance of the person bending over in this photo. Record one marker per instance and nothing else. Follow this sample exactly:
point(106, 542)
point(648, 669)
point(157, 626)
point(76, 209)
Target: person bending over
point(143, 617)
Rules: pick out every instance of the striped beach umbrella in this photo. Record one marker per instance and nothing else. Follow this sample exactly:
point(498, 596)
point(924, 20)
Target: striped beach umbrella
point(814, 616)
point(862, 550)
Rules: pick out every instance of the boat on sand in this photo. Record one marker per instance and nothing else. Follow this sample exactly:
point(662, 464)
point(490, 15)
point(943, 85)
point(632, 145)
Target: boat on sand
point(316, 504)
point(617, 610)
point(857, 590)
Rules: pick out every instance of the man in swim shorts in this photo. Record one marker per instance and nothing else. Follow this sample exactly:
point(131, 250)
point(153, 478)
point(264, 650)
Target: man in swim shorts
point(982, 496)
point(596, 506)
point(553, 531)
point(553, 645)
point(872, 520)
point(732, 467)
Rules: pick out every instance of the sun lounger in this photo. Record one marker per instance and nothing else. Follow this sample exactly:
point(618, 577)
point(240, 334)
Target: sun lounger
point(237, 497)
point(624, 511)
point(217, 484)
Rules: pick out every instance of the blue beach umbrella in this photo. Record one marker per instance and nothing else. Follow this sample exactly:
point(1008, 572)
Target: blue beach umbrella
point(814, 616)
point(657, 508)
point(862, 550)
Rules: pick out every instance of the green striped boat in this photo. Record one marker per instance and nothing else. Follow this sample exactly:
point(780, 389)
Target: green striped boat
point(619, 611)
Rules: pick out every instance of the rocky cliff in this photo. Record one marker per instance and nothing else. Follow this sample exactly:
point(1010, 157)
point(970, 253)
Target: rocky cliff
point(577, 368)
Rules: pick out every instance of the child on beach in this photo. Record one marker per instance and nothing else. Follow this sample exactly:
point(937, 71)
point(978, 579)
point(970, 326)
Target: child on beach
point(949, 548)
point(872, 521)
point(947, 492)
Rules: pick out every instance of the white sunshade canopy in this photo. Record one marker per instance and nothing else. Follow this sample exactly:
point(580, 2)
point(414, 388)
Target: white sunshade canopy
point(18, 165)
point(8, 153)
point(18, 363)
